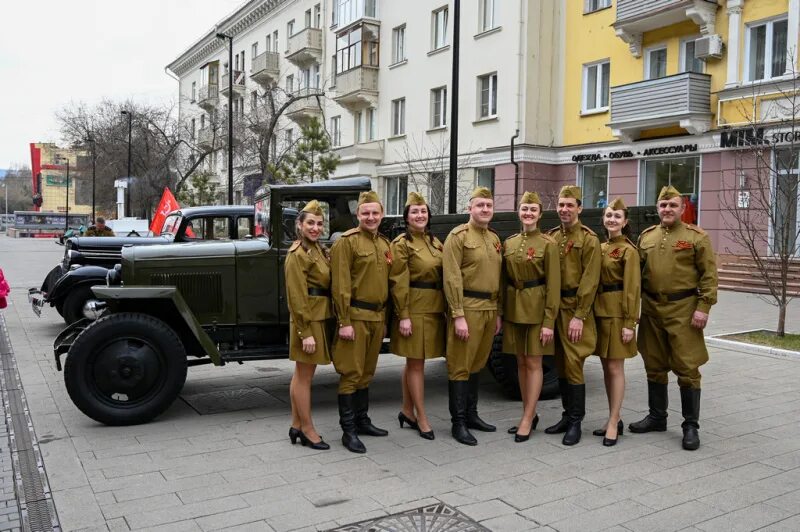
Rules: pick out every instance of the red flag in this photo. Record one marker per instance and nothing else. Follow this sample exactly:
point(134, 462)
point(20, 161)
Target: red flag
point(167, 204)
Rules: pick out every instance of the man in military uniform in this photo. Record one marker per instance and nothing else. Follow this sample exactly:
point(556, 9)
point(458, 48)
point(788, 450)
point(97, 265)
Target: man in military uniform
point(679, 286)
point(472, 263)
point(360, 263)
point(576, 331)
point(99, 228)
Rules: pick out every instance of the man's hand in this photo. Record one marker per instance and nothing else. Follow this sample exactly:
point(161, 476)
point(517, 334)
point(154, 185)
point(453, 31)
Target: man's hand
point(575, 331)
point(699, 320)
point(405, 327)
point(462, 329)
point(498, 326)
point(347, 333)
point(309, 345)
point(546, 336)
point(627, 335)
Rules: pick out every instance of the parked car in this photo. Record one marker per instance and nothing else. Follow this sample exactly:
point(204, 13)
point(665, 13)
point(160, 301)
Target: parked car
point(166, 308)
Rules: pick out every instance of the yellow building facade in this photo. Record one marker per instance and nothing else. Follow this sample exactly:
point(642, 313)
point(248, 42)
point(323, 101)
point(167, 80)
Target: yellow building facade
point(49, 165)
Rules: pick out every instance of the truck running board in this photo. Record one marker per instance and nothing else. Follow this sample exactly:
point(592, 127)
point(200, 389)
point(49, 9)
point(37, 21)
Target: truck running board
point(261, 353)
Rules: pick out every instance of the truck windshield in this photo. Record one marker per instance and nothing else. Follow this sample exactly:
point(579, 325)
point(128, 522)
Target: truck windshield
point(171, 225)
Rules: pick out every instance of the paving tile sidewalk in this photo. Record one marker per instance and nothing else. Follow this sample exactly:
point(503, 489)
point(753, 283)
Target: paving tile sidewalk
point(236, 468)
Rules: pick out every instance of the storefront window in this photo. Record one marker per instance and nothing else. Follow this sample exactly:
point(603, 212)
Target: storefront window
point(785, 198)
point(594, 182)
point(682, 173)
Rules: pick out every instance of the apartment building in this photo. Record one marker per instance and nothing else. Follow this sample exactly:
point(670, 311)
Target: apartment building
point(49, 171)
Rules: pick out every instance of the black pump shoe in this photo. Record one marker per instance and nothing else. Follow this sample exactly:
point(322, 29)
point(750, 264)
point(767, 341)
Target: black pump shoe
point(602, 432)
point(513, 430)
point(402, 418)
point(319, 445)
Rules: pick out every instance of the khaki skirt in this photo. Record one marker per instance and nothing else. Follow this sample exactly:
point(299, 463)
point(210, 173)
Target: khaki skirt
point(523, 338)
point(609, 339)
point(323, 334)
point(427, 340)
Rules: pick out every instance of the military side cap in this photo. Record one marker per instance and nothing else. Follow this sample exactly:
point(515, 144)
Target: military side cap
point(617, 205)
point(571, 191)
point(668, 192)
point(369, 196)
point(415, 198)
point(314, 208)
point(530, 197)
point(481, 192)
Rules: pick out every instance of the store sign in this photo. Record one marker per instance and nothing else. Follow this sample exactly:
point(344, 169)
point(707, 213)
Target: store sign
point(742, 138)
point(628, 154)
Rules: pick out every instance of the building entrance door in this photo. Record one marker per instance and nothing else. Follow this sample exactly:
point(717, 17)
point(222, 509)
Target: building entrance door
point(786, 230)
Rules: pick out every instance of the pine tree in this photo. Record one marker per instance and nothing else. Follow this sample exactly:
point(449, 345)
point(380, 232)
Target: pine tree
point(310, 159)
point(200, 192)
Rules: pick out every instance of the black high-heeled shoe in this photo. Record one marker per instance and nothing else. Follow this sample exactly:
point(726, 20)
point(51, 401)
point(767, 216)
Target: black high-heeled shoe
point(602, 432)
point(426, 435)
point(513, 430)
point(402, 418)
point(608, 442)
point(295, 434)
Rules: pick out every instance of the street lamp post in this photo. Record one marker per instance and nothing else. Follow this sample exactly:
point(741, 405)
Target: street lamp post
point(66, 217)
point(90, 139)
point(230, 114)
point(453, 166)
point(128, 191)
point(5, 218)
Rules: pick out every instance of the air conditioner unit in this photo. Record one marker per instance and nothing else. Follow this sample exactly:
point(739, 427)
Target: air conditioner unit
point(709, 47)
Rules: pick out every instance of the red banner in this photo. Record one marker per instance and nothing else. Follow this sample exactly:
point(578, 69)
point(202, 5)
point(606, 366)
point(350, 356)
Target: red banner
point(167, 204)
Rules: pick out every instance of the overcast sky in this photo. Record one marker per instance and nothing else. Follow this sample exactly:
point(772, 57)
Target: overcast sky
point(53, 52)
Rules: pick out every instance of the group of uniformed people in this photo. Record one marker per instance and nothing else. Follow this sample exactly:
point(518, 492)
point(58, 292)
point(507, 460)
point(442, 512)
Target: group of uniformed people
point(560, 293)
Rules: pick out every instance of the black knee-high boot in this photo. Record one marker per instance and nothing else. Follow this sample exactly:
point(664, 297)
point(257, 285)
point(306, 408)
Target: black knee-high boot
point(458, 392)
point(347, 420)
point(656, 419)
point(690, 407)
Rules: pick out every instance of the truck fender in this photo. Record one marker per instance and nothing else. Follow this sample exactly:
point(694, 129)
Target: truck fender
point(73, 278)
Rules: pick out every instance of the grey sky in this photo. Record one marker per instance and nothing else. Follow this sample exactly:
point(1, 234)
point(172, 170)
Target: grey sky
point(55, 51)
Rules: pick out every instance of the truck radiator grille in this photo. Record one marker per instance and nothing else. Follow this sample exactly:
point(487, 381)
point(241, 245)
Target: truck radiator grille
point(202, 291)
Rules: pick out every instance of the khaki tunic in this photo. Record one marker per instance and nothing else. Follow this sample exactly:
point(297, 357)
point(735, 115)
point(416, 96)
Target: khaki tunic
point(675, 260)
point(472, 261)
point(96, 231)
point(360, 263)
point(614, 308)
point(579, 251)
point(531, 256)
point(309, 314)
point(417, 261)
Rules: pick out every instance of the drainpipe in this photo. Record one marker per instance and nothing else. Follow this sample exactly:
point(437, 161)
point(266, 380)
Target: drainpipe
point(516, 169)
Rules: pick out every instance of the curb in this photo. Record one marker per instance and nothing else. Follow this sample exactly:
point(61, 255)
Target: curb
point(742, 347)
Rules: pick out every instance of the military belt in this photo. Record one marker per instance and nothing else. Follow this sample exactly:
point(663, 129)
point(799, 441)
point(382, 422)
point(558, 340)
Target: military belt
point(321, 292)
point(615, 287)
point(534, 282)
point(478, 295)
point(357, 303)
point(425, 285)
point(570, 292)
point(675, 296)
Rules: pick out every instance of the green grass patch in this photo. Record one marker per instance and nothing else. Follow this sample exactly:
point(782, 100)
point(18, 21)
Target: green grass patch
point(790, 342)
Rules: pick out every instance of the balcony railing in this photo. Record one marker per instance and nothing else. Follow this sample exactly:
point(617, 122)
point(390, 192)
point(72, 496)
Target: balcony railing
point(683, 100)
point(208, 96)
point(305, 47)
point(357, 87)
point(238, 83)
point(265, 68)
point(306, 107)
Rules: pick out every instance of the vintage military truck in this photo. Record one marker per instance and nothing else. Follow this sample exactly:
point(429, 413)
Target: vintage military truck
point(166, 308)
point(67, 287)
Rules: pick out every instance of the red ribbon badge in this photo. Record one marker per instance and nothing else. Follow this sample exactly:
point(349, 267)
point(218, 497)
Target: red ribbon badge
point(683, 244)
point(531, 253)
point(388, 255)
point(569, 246)
point(498, 247)
point(616, 253)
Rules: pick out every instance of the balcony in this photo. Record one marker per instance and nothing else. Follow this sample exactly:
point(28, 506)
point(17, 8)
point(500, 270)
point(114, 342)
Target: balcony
point(208, 97)
point(305, 47)
point(238, 83)
point(265, 69)
point(357, 88)
point(683, 100)
point(305, 109)
point(635, 17)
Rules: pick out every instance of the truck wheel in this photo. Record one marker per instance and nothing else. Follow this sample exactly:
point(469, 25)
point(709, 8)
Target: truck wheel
point(125, 369)
point(503, 368)
point(75, 307)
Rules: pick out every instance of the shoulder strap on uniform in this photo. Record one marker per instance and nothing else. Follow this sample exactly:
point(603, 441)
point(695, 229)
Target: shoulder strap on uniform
point(587, 230)
point(694, 228)
point(398, 238)
point(385, 238)
point(628, 240)
point(553, 231)
point(549, 238)
point(353, 231)
point(459, 229)
point(509, 237)
point(294, 246)
point(648, 229)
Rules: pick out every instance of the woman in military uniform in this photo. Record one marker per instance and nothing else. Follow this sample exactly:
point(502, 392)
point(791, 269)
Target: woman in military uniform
point(532, 285)
point(308, 284)
point(419, 327)
point(616, 311)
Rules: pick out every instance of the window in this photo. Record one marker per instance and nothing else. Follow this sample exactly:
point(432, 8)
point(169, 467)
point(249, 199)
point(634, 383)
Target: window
point(334, 13)
point(590, 6)
point(268, 48)
point(273, 149)
point(372, 127)
point(290, 29)
point(399, 44)
point(308, 18)
point(315, 76)
point(484, 177)
point(290, 83)
point(655, 63)
point(439, 28)
point(194, 124)
point(486, 15)
point(766, 50)
point(396, 194)
point(348, 50)
point(437, 192)
point(254, 100)
point(487, 85)
point(439, 107)
point(786, 224)
point(254, 50)
point(289, 137)
point(202, 121)
point(305, 78)
point(336, 132)
point(357, 126)
point(594, 181)
point(689, 63)
point(398, 117)
point(208, 229)
point(317, 16)
point(595, 86)
point(681, 172)
point(194, 91)
point(275, 41)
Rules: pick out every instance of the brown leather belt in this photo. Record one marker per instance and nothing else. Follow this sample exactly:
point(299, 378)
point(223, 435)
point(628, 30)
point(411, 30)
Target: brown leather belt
point(615, 287)
point(425, 285)
point(571, 292)
point(479, 295)
point(366, 306)
point(320, 292)
point(674, 296)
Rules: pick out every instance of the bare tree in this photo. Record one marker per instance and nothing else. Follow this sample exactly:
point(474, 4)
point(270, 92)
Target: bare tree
point(19, 183)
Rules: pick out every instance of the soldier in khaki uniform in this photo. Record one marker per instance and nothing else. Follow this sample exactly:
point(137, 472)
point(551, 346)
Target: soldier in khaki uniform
point(472, 268)
point(532, 288)
point(308, 293)
point(360, 262)
point(616, 311)
point(576, 332)
point(419, 328)
point(679, 286)
point(99, 228)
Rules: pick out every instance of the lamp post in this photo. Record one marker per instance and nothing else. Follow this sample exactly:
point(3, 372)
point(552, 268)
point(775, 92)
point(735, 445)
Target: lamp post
point(230, 114)
point(90, 139)
point(453, 167)
point(5, 218)
point(66, 217)
point(128, 191)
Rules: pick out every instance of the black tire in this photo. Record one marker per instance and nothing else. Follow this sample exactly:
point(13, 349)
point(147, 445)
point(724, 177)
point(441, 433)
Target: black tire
point(72, 306)
point(503, 368)
point(125, 369)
